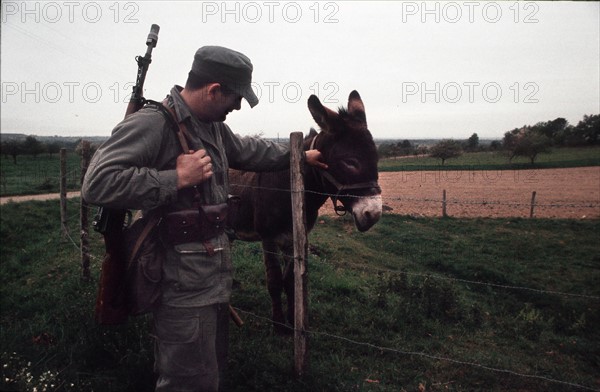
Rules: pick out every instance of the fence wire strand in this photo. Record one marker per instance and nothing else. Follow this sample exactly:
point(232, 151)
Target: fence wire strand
point(442, 277)
point(585, 204)
point(414, 353)
point(422, 354)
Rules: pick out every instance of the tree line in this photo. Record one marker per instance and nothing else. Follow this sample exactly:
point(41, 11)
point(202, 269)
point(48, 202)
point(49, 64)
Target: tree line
point(528, 141)
point(33, 147)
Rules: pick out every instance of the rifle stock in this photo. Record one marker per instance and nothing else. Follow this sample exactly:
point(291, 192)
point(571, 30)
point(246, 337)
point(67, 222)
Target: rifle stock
point(111, 307)
point(111, 304)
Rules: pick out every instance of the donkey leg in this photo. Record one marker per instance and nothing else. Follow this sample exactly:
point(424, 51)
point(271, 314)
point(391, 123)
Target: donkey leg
point(274, 285)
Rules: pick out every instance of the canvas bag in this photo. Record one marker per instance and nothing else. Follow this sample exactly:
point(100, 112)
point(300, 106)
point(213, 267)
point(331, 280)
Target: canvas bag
point(144, 264)
point(145, 255)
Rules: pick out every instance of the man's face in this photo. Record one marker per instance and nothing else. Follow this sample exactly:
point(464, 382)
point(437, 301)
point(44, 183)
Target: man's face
point(228, 102)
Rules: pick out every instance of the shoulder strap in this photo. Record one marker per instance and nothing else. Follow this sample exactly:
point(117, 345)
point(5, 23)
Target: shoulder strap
point(180, 129)
point(152, 222)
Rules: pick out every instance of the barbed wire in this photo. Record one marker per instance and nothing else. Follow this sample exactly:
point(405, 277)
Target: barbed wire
point(417, 353)
point(585, 204)
point(452, 201)
point(417, 274)
point(448, 278)
point(400, 351)
point(428, 356)
point(386, 270)
point(401, 272)
point(421, 354)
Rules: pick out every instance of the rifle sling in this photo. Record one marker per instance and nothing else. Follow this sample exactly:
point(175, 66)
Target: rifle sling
point(182, 135)
point(147, 229)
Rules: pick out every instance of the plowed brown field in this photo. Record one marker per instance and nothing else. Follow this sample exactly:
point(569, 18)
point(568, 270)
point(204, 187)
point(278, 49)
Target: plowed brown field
point(560, 193)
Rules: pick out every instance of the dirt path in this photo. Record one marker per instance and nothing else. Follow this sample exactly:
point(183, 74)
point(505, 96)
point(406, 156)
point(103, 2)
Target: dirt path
point(560, 193)
point(48, 196)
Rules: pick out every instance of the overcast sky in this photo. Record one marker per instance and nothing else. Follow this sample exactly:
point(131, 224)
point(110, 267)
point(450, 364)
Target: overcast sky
point(424, 70)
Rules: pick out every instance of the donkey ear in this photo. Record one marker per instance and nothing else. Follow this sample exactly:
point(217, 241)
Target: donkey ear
point(323, 116)
point(356, 106)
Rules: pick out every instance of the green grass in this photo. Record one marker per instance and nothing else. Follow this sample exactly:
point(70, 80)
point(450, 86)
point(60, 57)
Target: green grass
point(408, 289)
point(558, 158)
point(37, 175)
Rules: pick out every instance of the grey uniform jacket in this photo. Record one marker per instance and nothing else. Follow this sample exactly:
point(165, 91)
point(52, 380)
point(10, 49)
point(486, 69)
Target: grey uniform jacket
point(135, 169)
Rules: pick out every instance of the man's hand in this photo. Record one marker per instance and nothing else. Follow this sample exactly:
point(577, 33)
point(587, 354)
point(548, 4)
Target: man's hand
point(193, 168)
point(313, 158)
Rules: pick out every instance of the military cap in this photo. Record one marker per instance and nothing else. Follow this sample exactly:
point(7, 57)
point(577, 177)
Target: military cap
point(228, 67)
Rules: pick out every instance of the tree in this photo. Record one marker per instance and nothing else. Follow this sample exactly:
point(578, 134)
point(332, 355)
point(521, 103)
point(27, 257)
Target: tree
point(12, 148)
point(554, 130)
point(32, 146)
point(510, 138)
point(495, 145)
point(53, 148)
point(397, 149)
point(588, 129)
point(529, 144)
point(405, 148)
point(472, 143)
point(445, 149)
point(384, 150)
point(79, 148)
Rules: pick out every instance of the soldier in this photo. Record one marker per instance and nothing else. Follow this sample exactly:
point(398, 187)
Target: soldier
point(142, 167)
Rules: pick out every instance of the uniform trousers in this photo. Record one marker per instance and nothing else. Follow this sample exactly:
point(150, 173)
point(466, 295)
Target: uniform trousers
point(191, 347)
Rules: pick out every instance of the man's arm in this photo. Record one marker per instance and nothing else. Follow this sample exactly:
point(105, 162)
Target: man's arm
point(256, 154)
point(122, 173)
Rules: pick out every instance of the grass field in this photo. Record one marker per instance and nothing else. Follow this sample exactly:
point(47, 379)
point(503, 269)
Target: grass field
point(37, 175)
point(412, 305)
point(558, 158)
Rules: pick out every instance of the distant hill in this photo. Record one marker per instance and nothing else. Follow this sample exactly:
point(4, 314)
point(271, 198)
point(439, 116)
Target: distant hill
point(430, 142)
point(62, 140)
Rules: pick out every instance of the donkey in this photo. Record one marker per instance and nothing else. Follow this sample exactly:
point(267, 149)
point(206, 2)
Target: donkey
point(265, 210)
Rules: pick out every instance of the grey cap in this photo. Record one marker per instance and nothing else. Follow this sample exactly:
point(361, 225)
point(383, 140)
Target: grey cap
point(228, 67)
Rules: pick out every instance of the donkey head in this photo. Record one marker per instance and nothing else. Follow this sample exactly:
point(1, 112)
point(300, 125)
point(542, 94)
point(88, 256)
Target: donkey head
point(349, 150)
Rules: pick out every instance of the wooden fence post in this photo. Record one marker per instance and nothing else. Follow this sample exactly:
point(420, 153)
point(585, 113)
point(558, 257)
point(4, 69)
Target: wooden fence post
point(444, 213)
point(85, 246)
point(63, 193)
point(300, 252)
point(532, 204)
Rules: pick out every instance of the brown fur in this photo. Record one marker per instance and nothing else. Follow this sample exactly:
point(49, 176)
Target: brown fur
point(265, 212)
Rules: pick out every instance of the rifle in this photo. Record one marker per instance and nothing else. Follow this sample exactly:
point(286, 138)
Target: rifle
point(111, 307)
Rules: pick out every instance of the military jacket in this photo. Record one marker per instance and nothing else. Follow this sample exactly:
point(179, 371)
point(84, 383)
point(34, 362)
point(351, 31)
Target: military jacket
point(135, 169)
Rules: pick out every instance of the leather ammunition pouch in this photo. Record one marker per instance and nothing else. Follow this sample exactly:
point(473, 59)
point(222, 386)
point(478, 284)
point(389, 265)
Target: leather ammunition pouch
point(195, 225)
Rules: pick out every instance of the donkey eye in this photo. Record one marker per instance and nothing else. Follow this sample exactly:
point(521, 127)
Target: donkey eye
point(351, 164)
